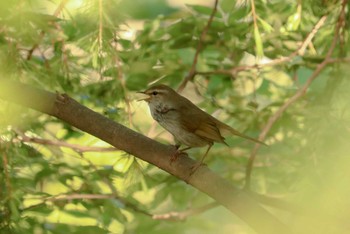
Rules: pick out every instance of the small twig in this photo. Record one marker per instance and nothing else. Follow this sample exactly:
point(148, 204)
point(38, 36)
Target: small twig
point(100, 27)
point(252, 3)
point(310, 36)
point(300, 51)
point(262, 199)
point(301, 92)
point(6, 169)
point(64, 197)
point(180, 216)
point(60, 8)
point(42, 32)
point(31, 51)
point(122, 81)
point(100, 36)
point(79, 196)
point(78, 148)
point(192, 71)
point(276, 202)
point(256, 29)
point(104, 179)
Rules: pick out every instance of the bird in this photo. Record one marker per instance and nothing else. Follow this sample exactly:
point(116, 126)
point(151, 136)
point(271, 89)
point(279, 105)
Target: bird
point(189, 125)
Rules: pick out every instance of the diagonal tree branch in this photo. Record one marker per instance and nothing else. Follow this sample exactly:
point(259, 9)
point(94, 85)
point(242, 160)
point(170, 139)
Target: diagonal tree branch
point(67, 109)
point(300, 93)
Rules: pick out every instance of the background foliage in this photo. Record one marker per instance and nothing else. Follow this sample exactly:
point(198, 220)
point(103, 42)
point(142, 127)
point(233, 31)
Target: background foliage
point(56, 179)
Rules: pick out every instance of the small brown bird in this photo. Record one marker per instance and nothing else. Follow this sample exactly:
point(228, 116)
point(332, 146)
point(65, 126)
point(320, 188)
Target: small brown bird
point(185, 121)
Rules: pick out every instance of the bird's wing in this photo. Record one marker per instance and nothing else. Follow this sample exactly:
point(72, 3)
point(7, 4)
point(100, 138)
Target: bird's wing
point(200, 123)
point(193, 119)
point(210, 132)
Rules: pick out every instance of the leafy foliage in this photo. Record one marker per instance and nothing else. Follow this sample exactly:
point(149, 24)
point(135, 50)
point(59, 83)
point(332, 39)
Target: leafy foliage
point(92, 51)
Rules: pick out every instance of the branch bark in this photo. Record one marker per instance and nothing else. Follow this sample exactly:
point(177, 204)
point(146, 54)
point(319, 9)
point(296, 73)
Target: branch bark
point(67, 109)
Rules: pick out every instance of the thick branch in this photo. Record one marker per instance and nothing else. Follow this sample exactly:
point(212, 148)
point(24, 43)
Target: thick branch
point(70, 111)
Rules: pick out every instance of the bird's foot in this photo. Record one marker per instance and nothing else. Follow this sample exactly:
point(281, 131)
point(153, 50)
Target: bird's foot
point(176, 155)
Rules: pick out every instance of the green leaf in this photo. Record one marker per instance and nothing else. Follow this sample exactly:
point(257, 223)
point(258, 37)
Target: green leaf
point(266, 26)
point(137, 82)
point(238, 14)
point(44, 173)
point(90, 230)
point(201, 9)
point(258, 43)
point(183, 41)
point(186, 55)
point(42, 210)
point(78, 213)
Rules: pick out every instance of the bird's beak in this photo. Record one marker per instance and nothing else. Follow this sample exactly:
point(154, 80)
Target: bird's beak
point(145, 98)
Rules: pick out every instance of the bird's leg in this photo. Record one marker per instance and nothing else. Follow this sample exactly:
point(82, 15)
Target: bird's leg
point(178, 153)
point(200, 163)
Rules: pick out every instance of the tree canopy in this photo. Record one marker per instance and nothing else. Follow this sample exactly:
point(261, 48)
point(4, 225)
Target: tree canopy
point(274, 70)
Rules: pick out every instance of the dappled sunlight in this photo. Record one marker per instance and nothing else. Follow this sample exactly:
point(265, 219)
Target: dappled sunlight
point(275, 71)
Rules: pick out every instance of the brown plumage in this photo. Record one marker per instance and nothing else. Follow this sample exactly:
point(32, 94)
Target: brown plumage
point(188, 124)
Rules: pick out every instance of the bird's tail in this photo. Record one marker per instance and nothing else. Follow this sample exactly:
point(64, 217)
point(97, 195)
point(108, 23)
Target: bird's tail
point(237, 133)
point(225, 128)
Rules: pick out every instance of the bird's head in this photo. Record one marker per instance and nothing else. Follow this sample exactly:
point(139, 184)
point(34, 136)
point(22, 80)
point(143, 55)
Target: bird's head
point(159, 94)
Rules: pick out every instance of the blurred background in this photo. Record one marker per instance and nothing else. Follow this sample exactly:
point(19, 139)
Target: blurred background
point(255, 57)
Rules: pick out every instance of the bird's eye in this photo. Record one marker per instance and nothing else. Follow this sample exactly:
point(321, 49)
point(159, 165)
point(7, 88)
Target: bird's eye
point(154, 93)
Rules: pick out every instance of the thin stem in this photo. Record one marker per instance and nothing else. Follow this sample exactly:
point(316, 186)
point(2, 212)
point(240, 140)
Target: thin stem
point(300, 51)
point(42, 33)
point(78, 148)
point(100, 36)
point(301, 92)
point(192, 71)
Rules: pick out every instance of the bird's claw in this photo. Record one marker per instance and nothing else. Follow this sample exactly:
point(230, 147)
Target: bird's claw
point(176, 155)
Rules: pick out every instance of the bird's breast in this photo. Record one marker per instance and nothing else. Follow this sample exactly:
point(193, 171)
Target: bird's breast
point(169, 119)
